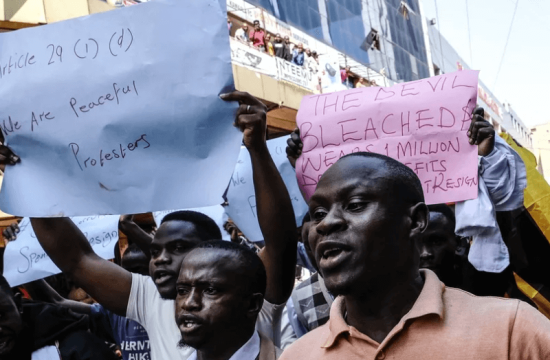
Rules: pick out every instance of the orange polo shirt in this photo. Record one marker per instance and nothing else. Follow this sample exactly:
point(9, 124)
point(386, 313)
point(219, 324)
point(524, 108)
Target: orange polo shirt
point(444, 323)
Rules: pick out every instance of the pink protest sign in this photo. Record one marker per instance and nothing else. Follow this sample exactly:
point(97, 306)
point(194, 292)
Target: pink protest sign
point(422, 124)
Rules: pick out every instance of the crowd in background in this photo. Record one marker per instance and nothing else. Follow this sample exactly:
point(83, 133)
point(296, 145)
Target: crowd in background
point(281, 47)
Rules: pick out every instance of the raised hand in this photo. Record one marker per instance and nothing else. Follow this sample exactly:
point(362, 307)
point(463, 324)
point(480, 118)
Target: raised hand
point(481, 133)
point(251, 118)
point(10, 233)
point(294, 147)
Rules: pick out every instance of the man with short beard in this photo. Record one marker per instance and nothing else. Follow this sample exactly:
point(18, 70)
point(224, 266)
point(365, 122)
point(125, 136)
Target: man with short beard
point(221, 288)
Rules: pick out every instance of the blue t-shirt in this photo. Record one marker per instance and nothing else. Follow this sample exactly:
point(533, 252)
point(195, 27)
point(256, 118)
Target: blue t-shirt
point(130, 335)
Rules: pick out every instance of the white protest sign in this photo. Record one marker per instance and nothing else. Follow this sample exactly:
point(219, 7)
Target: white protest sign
point(26, 261)
point(241, 196)
point(112, 113)
point(216, 213)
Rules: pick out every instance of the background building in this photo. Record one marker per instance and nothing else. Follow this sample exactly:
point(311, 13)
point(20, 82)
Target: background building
point(541, 148)
point(445, 59)
point(383, 41)
point(387, 36)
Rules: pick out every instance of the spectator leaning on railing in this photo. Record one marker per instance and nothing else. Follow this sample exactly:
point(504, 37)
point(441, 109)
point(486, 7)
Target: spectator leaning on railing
point(269, 45)
point(288, 52)
point(257, 36)
point(242, 34)
point(298, 55)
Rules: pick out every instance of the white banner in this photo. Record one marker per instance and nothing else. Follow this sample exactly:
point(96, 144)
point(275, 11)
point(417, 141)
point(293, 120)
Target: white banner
point(112, 115)
point(26, 261)
point(249, 57)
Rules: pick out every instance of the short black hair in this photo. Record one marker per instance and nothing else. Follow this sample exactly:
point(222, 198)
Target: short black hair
point(206, 227)
point(401, 174)
point(254, 266)
point(132, 249)
point(444, 210)
point(5, 286)
point(256, 22)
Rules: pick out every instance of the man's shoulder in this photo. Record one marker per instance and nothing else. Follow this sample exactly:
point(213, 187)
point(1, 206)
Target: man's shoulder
point(309, 346)
point(463, 303)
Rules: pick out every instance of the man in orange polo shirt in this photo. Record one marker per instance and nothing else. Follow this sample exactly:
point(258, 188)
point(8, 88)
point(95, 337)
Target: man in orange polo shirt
point(367, 213)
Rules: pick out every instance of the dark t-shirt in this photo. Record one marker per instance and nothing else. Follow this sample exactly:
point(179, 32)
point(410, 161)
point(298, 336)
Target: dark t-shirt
point(130, 335)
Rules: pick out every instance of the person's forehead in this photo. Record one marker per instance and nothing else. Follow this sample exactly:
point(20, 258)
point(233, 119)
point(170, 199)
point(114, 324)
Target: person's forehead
point(439, 222)
point(176, 230)
point(369, 174)
point(134, 258)
point(206, 264)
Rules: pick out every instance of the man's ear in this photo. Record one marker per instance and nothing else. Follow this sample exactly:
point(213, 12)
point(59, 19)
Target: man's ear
point(420, 216)
point(255, 305)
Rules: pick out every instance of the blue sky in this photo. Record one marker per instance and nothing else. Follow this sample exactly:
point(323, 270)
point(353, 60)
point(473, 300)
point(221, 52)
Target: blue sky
point(525, 76)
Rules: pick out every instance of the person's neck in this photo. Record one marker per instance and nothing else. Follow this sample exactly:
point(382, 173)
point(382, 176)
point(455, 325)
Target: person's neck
point(378, 310)
point(227, 347)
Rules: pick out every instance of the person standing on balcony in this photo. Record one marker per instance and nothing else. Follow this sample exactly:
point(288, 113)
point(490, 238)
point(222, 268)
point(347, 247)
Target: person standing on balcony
point(269, 45)
point(257, 36)
point(281, 49)
point(288, 56)
point(344, 73)
point(298, 55)
point(242, 34)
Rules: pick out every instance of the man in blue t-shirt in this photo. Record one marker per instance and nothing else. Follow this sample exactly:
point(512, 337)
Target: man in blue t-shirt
point(131, 336)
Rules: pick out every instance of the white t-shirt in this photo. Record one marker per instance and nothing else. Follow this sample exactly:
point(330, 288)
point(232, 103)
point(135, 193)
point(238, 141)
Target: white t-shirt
point(158, 317)
point(46, 353)
point(248, 351)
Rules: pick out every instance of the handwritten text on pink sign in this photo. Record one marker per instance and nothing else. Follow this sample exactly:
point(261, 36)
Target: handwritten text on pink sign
point(422, 124)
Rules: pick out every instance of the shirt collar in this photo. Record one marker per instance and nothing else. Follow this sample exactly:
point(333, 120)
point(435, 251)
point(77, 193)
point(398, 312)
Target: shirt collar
point(248, 351)
point(430, 301)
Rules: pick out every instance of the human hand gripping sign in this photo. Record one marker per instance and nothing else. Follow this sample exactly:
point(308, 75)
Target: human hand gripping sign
point(481, 133)
point(7, 156)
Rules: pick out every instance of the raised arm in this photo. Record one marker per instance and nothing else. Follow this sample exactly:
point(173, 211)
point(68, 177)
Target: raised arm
point(132, 230)
point(274, 207)
point(69, 249)
point(40, 289)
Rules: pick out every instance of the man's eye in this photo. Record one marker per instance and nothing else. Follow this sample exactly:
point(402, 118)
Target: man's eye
point(210, 291)
point(180, 247)
point(356, 206)
point(319, 215)
point(154, 253)
point(182, 291)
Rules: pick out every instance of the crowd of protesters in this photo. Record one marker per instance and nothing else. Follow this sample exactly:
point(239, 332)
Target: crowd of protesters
point(390, 275)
